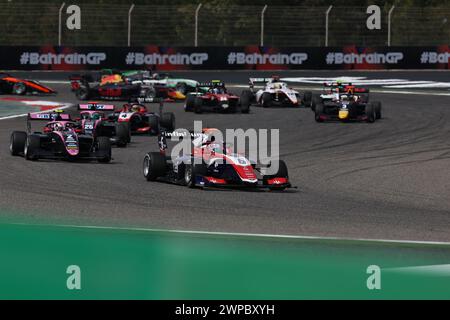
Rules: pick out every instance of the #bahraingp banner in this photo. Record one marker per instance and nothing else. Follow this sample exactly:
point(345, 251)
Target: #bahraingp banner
point(224, 58)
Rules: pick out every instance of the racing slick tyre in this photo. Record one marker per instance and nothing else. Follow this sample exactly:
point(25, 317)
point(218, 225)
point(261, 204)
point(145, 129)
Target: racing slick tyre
point(198, 105)
point(154, 166)
point(19, 88)
point(370, 113)
point(190, 103)
point(17, 143)
point(182, 88)
point(266, 100)
point(378, 108)
point(246, 98)
point(308, 99)
point(192, 171)
point(153, 122)
point(104, 149)
point(365, 97)
point(318, 112)
point(315, 100)
point(128, 128)
point(122, 134)
point(167, 121)
point(281, 173)
point(32, 146)
point(150, 93)
point(83, 92)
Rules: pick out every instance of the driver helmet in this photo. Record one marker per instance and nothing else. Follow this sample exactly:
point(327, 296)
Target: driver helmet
point(136, 108)
point(277, 86)
point(215, 147)
point(58, 126)
point(217, 90)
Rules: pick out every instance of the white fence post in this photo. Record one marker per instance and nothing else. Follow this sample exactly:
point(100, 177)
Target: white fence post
point(390, 25)
point(60, 24)
point(262, 25)
point(196, 24)
point(129, 24)
point(326, 24)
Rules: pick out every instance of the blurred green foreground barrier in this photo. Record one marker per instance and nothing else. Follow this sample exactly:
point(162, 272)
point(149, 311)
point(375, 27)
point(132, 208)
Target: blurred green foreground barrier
point(56, 262)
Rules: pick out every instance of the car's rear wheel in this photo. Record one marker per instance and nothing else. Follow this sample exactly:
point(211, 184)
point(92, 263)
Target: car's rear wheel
point(198, 105)
point(266, 100)
point(17, 143)
point(150, 93)
point(182, 88)
point(167, 121)
point(153, 122)
point(190, 103)
point(308, 99)
point(318, 112)
point(32, 148)
point(154, 166)
point(378, 109)
point(19, 88)
point(83, 92)
point(246, 98)
point(370, 113)
point(122, 134)
point(104, 149)
point(315, 100)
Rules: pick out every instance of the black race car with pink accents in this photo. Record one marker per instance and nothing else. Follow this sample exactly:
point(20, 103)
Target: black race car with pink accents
point(59, 141)
point(95, 120)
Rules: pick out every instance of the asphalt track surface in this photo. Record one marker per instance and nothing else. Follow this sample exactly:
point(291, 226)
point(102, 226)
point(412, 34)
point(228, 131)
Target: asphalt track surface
point(388, 180)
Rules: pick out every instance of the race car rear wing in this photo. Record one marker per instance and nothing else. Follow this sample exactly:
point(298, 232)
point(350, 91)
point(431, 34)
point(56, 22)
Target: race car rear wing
point(96, 107)
point(82, 77)
point(48, 116)
point(210, 84)
point(348, 86)
point(262, 81)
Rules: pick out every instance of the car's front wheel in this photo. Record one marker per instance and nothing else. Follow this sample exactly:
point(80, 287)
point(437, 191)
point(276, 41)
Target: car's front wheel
point(154, 166)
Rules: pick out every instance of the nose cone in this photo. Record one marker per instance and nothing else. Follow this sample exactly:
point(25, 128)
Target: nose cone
point(343, 114)
point(177, 95)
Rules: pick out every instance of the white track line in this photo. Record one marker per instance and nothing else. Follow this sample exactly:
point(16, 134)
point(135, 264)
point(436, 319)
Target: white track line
point(233, 234)
point(403, 92)
point(432, 270)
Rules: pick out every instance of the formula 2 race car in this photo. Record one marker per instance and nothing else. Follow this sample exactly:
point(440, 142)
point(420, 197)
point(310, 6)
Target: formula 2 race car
point(214, 97)
point(180, 85)
point(13, 85)
point(119, 87)
point(212, 163)
point(140, 120)
point(58, 141)
point(274, 94)
point(333, 89)
point(93, 121)
point(346, 107)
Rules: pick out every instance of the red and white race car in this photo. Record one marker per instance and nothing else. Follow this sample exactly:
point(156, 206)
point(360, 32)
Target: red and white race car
point(141, 120)
point(213, 163)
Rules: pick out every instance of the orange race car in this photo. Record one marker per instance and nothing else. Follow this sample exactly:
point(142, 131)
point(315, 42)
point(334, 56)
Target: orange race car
point(13, 85)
